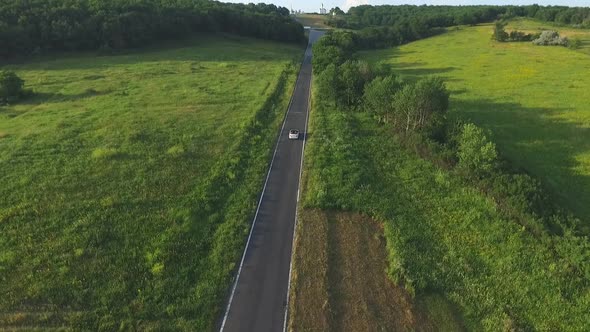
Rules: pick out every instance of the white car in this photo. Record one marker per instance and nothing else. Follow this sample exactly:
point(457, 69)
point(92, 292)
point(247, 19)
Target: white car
point(293, 134)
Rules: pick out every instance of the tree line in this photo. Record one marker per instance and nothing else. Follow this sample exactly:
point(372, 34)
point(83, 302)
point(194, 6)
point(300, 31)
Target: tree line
point(444, 16)
point(386, 26)
point(36, 26)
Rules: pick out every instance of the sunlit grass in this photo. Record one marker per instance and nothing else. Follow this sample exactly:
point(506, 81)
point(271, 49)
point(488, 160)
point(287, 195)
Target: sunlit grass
point(533, 98)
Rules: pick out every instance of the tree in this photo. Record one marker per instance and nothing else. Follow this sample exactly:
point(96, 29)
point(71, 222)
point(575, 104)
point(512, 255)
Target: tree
point(328, 84)
point(433, 102)
point(423, 104)
point(477, 154)
point(324, 55)
point(499, 33)
point(336, 11)
point(378, 96)
point(404, 105)
point(352, 82)
point(11, 86)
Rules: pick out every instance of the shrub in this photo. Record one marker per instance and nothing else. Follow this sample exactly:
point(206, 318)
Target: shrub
point(477, 154)
point(518, 36)
point(575, 43)
point(11, 86)
point(499, 33)
point(522, 192)
point(551, 38)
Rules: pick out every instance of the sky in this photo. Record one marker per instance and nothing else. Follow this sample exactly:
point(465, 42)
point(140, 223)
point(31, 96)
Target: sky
point(314, 5)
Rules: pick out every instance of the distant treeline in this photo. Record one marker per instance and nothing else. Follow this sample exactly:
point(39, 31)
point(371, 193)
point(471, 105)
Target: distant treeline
point(445, 16)
point(33, 26)
point(385, 26)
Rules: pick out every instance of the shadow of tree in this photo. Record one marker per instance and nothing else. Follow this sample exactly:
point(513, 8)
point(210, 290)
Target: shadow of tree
point(216, 48)
point(539, 140)
point(412, 71)
point(42, 97)
point(38, 98)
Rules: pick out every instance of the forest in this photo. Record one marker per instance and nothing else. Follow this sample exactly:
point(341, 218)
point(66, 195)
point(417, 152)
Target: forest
point(37, 26)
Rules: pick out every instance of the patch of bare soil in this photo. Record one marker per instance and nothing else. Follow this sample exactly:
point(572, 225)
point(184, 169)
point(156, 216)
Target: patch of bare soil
point(340, 281)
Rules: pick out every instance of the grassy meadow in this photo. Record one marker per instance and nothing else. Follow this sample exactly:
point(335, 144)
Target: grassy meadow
point(534, 99)
point(129, 182)
point(464, 264)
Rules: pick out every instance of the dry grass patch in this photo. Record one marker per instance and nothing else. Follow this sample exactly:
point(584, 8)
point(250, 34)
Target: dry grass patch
point(339, 280)
point(313, 20)
point(309, 309)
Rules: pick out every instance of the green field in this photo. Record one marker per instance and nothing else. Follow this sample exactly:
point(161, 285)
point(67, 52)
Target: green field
point(534, 99)
point(129, 182)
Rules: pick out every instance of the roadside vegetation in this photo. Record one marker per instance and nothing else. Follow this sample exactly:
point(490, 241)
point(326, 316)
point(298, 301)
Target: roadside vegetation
point(129, 182)
point(467, 228)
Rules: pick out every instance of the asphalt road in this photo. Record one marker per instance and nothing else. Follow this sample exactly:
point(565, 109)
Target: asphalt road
point(258, 300)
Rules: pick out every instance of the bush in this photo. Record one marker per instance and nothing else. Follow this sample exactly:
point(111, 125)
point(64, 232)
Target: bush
point(518, 36)
point(422, 105)
point(11, 86)
point(551, 38)
point(575, 43)
point(499, 33)
point(477, 154)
